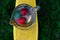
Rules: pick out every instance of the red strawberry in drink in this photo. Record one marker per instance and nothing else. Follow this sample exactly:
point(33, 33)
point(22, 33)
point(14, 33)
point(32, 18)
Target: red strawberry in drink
point(24, 11)
point(21, 21)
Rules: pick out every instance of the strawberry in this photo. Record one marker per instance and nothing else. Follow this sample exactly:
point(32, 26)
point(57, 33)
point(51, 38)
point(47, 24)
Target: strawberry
point(24, 11)
point(21, 20)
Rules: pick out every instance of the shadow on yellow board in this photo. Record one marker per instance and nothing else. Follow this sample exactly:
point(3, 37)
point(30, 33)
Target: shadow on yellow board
point(30, 34)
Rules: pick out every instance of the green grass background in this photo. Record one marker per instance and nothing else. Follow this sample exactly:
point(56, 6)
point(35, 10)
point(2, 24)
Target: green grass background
point(48, 19)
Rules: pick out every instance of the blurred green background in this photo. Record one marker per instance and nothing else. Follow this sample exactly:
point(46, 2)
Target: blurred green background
point(48, 17)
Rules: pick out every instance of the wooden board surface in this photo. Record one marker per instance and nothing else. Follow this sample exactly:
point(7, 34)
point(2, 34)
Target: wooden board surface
point(30, 34)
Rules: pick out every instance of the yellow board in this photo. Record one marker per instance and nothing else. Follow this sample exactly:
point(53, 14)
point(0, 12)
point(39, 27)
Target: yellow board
point(30, 34)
